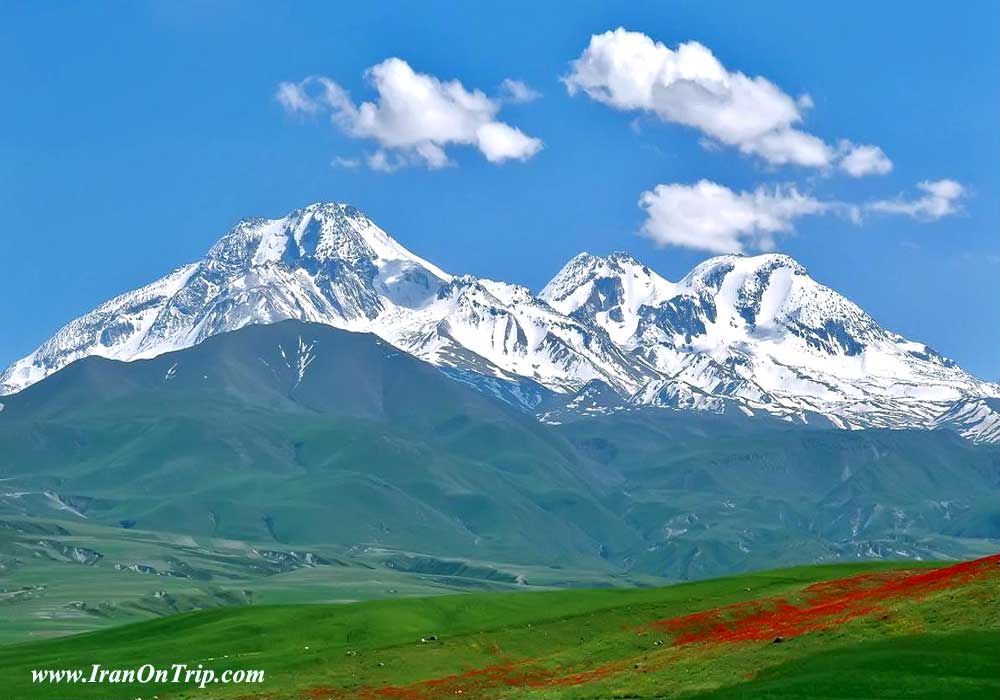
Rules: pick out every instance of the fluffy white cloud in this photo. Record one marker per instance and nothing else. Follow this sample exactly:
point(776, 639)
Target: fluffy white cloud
point(858, 161)
point(629, 71)
point(709, 216)
point(414, 117)
point(941, 198)
point(790, 146)
point(712, 217)
point(516, 91)
point(500, 142)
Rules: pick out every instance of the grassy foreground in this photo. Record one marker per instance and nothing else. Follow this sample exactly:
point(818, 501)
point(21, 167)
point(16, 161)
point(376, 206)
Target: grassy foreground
point(847, 631)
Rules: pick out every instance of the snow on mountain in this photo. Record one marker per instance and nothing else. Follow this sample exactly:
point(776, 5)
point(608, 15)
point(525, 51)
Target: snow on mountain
point(329, 263)
point(975, 419)
point(761, 331)
point(498, 328)
point(609, 291)
point(753, 334)
point(114, 329)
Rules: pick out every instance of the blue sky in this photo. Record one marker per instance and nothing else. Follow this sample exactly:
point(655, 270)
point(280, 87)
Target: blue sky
point(133, 135)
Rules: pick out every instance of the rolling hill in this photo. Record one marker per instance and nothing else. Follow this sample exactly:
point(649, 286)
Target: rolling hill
point(884, 631)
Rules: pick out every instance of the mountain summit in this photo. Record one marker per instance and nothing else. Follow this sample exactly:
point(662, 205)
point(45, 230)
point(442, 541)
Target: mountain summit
point(754, 334)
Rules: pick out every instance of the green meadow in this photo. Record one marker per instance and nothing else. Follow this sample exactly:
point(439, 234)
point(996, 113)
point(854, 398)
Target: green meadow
point(902, 634)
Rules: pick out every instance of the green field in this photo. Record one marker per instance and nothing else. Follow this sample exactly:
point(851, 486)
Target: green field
point(59, 578)
point(845, 631)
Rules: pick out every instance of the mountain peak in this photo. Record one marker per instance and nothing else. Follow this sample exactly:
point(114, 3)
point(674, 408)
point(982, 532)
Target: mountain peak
point(621, 257)
point(319, 234)
point(612, 289)
point(711, 272)
point(585, 267)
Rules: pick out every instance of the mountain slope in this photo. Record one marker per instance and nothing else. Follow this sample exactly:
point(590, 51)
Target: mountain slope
point(300, 434)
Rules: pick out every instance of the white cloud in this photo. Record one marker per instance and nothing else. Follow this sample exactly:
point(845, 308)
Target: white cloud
point(500, 142)
point(295, 99)
point(516, 91)
point(858, 161)
point(629, 71)
point(384, 162)
point(712, 217)
point(785, 146)
point(414, 117)
point(709, 216)
point(941, 198)
point(347, 163)
point(312, 95)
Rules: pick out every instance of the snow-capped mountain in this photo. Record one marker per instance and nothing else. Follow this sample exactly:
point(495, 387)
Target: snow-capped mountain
point(761, 331)
point(329, 263)
point(326, 264)
point(754, 334)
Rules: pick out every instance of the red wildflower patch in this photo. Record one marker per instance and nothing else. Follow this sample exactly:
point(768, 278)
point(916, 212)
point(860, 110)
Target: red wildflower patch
point(822, 605)
point(478, 682)
point(827, 604)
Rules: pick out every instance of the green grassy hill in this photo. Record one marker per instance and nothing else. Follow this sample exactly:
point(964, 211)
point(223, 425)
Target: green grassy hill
point(861, 631)
point(298, 435)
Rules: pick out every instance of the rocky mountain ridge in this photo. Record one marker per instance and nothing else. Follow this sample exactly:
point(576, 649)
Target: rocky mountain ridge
point(748, 334)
